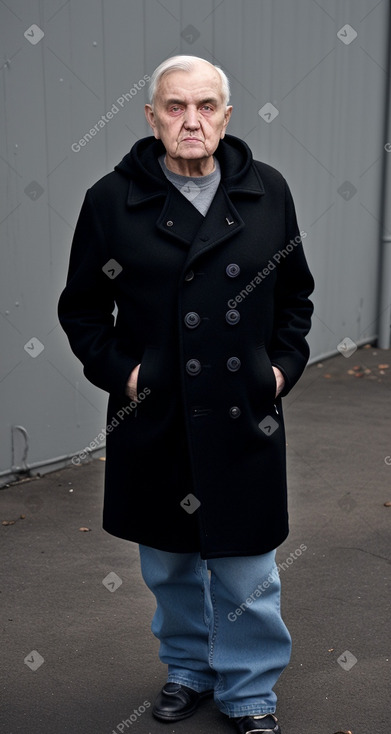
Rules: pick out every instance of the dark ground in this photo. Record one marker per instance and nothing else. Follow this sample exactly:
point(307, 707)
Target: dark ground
point(100, 658)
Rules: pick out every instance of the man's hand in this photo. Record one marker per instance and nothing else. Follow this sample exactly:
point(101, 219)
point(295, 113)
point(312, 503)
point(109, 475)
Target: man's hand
point(131, 385)
point(280, 380)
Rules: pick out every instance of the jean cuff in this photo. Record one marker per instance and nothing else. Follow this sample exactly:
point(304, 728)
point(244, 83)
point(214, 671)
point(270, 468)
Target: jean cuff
point(195, 684)
point(234, 711)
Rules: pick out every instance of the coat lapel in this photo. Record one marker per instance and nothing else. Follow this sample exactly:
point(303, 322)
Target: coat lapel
point(179, 219)
point(222, 222)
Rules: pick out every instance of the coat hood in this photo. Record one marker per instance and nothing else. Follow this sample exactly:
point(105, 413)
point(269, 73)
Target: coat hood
point(234, 156)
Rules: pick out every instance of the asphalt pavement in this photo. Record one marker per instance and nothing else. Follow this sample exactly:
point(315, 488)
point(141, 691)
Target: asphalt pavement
point(77, 653)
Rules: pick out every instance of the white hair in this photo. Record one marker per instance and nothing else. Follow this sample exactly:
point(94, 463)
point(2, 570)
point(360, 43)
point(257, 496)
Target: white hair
point(184, 63)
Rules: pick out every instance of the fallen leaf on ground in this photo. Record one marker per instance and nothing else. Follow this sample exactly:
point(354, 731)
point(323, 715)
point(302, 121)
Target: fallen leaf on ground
point(386, 504)
point(383, 366)
point(12, 522)
point(85, 530)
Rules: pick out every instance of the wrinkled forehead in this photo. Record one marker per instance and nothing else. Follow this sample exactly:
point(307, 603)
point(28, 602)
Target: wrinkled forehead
point(203, 82)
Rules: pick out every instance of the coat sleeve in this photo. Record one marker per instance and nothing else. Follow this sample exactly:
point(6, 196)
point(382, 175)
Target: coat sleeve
point(289, 350)
point(86, 306)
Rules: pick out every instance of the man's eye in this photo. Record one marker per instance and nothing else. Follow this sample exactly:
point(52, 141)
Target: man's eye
point(207, 107)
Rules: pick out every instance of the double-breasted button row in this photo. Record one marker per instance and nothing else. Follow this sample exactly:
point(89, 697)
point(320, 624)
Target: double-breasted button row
point(233, 364)
point(192, 320)
point(193, 367)
point(232, 317)
point(234, 412)
point(232, 270)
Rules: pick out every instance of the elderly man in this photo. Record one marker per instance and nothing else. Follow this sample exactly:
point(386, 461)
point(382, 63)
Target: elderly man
point(198, 247)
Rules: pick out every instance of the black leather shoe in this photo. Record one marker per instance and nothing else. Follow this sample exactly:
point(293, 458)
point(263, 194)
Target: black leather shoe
point(265, 724)
point(176, 702)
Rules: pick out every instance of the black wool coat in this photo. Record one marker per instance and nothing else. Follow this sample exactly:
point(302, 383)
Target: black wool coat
point(207, 305)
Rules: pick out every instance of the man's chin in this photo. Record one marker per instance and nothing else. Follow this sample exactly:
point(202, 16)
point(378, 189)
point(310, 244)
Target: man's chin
point(191, 155)
point(192, 152)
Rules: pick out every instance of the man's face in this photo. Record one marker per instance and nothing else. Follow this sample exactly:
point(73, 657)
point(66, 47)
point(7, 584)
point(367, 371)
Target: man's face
point(189, 115)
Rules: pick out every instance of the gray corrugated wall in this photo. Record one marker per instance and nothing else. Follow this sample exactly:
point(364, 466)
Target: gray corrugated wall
point(326, 140)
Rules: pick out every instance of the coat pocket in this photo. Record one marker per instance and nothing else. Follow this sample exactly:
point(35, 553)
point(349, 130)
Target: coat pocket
point(263, 383)
point(156, 376)
point(148, 376)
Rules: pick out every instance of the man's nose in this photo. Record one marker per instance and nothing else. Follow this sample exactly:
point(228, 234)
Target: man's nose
point(191, 118)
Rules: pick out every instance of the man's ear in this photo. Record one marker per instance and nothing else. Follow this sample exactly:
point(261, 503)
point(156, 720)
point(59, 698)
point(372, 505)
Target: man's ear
point(150, 115)
point(227, 115)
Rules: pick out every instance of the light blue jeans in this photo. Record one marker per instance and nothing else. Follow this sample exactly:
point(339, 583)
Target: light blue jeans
point(222, 632)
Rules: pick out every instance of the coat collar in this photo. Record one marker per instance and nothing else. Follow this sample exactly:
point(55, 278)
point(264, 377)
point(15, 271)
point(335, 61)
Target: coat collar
point(147, 180)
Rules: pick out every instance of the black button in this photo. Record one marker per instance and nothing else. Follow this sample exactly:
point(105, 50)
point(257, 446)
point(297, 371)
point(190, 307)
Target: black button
point(169, 223)
point(234, 411)
point(204, 238)
point(189, 276)
point(232, 270)
point(193, 367)
point(232, 317)
point(192, 320)
point(233, 364)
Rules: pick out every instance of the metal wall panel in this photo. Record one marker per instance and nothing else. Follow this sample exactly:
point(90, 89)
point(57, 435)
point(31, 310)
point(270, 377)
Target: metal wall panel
point(327, 86)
